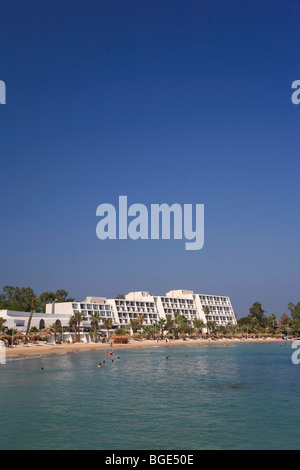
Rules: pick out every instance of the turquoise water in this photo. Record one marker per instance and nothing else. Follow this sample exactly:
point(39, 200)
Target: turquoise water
point(209, 397)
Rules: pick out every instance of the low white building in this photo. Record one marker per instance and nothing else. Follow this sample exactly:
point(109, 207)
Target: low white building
point(19, 320)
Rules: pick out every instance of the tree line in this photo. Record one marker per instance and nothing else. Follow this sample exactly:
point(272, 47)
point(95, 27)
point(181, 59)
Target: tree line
point(258, 322)
point(23, 299)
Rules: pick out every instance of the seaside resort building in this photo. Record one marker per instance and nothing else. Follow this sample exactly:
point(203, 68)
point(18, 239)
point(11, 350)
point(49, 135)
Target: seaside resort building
point(122, 311)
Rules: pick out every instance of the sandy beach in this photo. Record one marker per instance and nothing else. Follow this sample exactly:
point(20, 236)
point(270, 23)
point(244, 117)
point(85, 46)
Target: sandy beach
point(76, 347)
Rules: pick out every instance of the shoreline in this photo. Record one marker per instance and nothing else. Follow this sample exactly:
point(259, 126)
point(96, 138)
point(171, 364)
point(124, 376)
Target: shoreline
point(44, 349)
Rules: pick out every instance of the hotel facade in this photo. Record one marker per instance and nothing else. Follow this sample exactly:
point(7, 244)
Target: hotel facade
point(152, 307)
point(122, 310)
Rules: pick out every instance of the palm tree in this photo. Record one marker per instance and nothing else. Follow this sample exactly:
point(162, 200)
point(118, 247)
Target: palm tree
point(107, 323)
point(181, 322)
point(75, 321)
point(72, 324)
point(198, 324)
point(79, 318)
point(95, 318)
point(140, 320)
point(11, 332)
point(212, 326)
point(34, 330)
point(177, 318)
point(56, 327)
point(33, 302)
point(161, 323)
point(2, 323)
point(134, 325)
point(207, 312)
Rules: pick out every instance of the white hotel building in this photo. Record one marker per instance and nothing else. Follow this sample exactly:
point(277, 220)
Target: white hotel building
point(122, 311)
point(152, 307)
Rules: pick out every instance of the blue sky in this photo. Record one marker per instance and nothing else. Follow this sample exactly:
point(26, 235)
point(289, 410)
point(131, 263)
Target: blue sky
point(163, 101)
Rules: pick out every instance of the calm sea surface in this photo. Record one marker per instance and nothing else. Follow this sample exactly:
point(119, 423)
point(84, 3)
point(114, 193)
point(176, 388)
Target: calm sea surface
point(209, 397)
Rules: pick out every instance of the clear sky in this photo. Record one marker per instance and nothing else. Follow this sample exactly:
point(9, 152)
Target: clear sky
point(163, 101)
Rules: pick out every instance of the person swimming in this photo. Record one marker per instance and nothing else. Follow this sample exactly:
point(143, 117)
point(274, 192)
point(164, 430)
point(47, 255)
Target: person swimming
point(99, 365)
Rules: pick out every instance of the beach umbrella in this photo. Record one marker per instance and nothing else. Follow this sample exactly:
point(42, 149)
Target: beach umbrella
point(32, 335)
point(4, 337)
point(19, 336)
point(46, 331)
point(193, 336)
point(120, 339)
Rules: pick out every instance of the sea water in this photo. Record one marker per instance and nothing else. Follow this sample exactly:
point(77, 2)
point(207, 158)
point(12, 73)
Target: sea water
point(244, 396)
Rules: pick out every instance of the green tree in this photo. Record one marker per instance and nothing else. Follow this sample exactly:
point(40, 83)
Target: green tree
point(244, 321)
point(148, 331)
point(56, 329)
point(121, 331)
point(161, 326)
point(11, 332)
point(256, 311)
point(231, 329)
point(284, 323)
point(61, 295)
point(74, 322)
point(212, 327)
point(120, 296)
point(95, 319)
point(134, 325)
point(169, 325)
point(295, 310)
point(182, 323)
point(140, 320)
point(33, 303)
point(107, 323)
point(207, 312)
point(249, 324)
point(16, 298)
point(2, 324)
point(198, 324)
point(221, 329)
point(271, 323)
point(295, 326)
point(34, 330)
